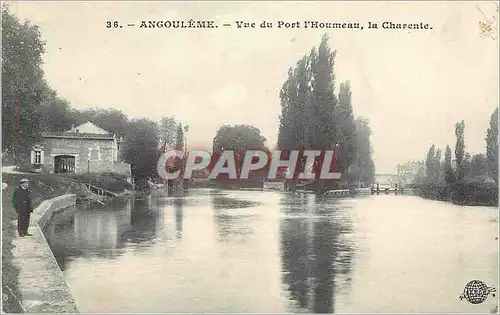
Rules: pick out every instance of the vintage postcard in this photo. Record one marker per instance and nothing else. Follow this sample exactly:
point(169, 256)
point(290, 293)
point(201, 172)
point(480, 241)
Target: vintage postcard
point(250, 157)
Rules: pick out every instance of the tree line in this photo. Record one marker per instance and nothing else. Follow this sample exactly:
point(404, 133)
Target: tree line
point(313, 116)
point(460, 176)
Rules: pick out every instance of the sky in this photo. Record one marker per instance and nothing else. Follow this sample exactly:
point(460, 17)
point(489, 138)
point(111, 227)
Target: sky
point(413, 86)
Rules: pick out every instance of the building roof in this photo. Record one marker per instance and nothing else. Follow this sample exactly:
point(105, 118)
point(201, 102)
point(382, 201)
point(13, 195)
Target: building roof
point(75, 135)
point(88, 127)
point(87, 130)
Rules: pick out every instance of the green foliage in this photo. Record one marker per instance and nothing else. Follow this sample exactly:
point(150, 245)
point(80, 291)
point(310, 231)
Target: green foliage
point(167, 132)
point(141, 148)
point(449, 173)
point(179, 143)
point(433, 166)
point(471, 182)
point(363, 168)
point(112, 120)
point(460, 149)
point(239, 138)
point(492, 146)
point(347, 128)
point(312, 117)
point(23, 86)
point(429, 162)
point(479, 168)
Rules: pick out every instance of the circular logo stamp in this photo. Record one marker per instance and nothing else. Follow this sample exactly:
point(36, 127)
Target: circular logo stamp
point(476, 292)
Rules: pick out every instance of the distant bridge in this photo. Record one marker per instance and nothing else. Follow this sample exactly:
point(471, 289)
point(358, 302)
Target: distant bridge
point(393, 180)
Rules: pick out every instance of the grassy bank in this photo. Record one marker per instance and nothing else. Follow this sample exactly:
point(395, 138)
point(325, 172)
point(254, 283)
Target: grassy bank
point(43, 187)
point(464, 193)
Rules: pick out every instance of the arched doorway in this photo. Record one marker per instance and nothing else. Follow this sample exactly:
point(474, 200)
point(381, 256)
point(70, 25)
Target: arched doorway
point(64, 164)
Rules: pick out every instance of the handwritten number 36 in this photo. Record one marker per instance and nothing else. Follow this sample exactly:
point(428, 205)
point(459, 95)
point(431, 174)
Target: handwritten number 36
point(110, 24)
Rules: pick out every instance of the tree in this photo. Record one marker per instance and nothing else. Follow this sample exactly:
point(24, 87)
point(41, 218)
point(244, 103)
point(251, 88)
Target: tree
point(167, 132)
point(112, 120)
point(363, 168)
point(478, 167)
point(324, 129)
point(492, 146)
point(449, 173)
point(23, 86)
point(239, 138)
point(347, 128)
point(438, 166)
point(141, 148)
point(466, 166)
point(460, 149)
point(286, 137)
point(56, 113)
point(430, 164)
point(179, 142)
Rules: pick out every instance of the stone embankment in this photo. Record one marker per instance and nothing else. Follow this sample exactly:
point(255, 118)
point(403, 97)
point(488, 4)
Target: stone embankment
point(41, 282)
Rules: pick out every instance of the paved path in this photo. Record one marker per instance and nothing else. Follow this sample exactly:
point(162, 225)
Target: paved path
point(41, 282)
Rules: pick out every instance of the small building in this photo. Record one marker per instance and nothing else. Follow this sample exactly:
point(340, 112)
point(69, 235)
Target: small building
point(409, 171)
point(410, 168)
point(83, 149)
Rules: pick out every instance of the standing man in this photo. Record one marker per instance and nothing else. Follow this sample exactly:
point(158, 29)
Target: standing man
point(21, 200)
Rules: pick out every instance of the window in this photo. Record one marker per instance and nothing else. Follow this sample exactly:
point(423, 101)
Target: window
point(38, 157)
point(94, 154)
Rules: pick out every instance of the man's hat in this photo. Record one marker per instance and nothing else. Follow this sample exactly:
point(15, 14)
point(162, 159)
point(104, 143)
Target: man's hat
point(24, 180)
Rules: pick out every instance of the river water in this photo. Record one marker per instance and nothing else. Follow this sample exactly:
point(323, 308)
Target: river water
point(254, 251)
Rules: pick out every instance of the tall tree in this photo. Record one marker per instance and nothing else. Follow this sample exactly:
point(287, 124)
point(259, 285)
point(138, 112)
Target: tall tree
point(430, 163)
point(56, 114)
point(449, 173)
point(23, 86)
point(363, 168)
point(167, 132)
point(438, 173)
point(460, 149)
point(347, 128)
point(492, 146)
point(141, 148)
point(179, 142)
point(466, 166)
point(286, 137)
point(324, 128)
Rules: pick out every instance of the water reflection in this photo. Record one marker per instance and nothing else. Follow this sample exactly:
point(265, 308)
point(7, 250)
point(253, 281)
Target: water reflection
point(103, 232)
point(312, 252)
point(179, 216)
point(146, 221)
point(232, 222)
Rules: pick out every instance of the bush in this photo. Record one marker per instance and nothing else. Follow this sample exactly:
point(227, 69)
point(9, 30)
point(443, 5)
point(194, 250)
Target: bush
point(464, 193)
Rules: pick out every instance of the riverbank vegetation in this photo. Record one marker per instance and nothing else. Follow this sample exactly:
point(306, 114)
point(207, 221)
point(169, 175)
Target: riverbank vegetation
point(463, 178)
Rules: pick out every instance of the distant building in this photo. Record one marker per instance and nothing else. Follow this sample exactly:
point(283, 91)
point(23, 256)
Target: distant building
point(86, 148)
point(408, 172)
point(410, 168)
